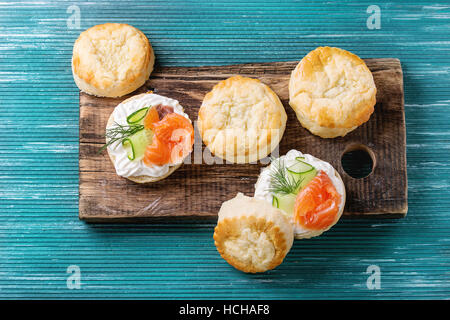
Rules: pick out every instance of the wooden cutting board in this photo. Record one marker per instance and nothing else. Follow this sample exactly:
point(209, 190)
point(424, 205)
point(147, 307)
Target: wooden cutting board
point(197, 190)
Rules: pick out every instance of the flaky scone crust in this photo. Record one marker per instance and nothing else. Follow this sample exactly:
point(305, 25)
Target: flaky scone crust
point(139, 179)
point(241, 120)
point(244, 212)
point(111, 60)
point(332, 92)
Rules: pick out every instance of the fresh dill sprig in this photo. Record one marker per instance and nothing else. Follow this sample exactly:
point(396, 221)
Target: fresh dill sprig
point(281, 181)
point(119, 133)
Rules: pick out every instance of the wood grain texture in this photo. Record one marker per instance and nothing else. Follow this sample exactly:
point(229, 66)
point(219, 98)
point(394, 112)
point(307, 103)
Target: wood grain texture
point(197, 189)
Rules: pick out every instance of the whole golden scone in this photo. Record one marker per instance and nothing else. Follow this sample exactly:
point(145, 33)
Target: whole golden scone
point(241, 120)
point(332, 92)
point(111, 60)
point(141, 178)
point(251, 235)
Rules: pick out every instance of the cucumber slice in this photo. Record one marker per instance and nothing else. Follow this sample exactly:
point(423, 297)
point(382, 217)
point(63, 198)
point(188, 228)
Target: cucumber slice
point(275, 202)
point(306, 178)
point(302, 178)
point(285, 202)
point(137, 116)
point(302, 171)
point(300, 167)
point(128, 146)
point(137, 143)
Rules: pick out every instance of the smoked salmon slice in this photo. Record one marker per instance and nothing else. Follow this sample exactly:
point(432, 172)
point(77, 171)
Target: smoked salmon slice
point(157, 153)
point(151, 118)
point(317, 204)
point(173, 138)
point(165, 128)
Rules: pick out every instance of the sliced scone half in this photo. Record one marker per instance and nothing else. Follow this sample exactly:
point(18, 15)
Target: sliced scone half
point(308, 190)
point(251, 235)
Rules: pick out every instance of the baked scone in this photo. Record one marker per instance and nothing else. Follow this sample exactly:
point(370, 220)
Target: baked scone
point(138, 170)
point(251, 235)
point(308, 190)
point(332, 92)
point(111, 60)
point(241, 120)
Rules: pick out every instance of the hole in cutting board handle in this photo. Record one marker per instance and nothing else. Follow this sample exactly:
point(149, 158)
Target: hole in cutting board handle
point(358, 161)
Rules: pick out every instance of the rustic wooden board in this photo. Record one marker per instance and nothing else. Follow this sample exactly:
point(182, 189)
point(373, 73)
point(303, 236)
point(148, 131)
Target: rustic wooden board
point(197, 190)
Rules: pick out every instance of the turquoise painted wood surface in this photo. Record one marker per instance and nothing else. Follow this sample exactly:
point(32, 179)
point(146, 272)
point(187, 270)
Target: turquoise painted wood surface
point(41, 236)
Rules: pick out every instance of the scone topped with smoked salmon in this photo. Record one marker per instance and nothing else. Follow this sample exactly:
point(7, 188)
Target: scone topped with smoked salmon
point(308, 190)
point(148, 136)
point(111, 60)
point(332, 92)
point(241, 120)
